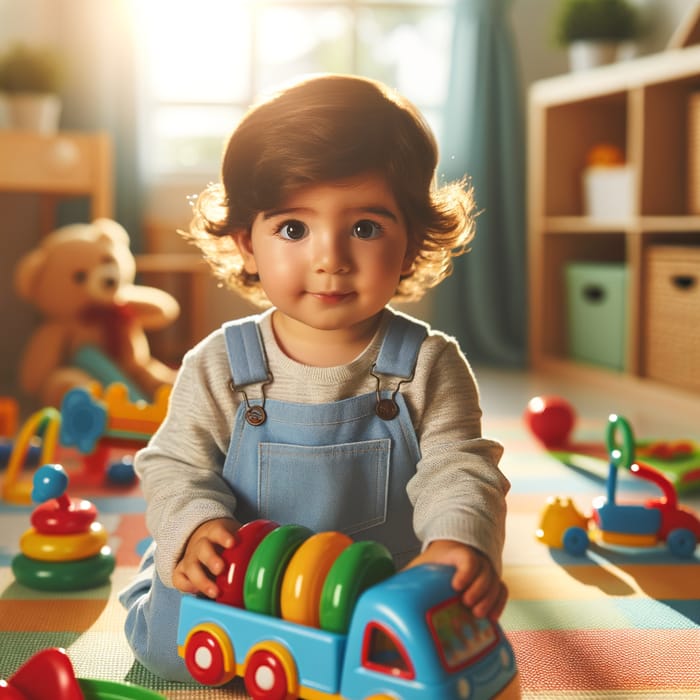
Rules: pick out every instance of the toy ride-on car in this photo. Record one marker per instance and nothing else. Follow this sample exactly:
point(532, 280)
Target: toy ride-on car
point(658, 520)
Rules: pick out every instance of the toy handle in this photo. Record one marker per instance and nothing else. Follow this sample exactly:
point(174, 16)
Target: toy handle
point(621, 453)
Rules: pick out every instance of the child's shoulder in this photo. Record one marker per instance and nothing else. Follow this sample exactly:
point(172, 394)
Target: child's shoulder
point(435, 340)
point(215, 344)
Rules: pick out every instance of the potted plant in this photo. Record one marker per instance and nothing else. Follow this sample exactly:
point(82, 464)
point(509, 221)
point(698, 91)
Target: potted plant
point(30, 78)
point(593, 30)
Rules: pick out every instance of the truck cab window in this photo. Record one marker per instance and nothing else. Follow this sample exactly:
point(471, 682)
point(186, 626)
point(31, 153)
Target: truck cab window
point(382, 652)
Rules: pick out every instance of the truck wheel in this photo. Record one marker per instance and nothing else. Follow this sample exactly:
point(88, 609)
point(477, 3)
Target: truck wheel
point(681, 542)
point(265, 677)
point(575, 541)
point(206, 653)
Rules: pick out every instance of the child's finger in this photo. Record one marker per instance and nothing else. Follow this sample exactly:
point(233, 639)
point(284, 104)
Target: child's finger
point(467, 570)
point(221, 535)
point(182, 583)
point(493, 601)
point(202, 583)
point(208, 557)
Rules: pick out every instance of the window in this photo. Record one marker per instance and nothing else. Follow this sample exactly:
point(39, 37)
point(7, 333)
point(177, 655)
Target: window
point(460, 637)
point(211, 59)
point(382, 652)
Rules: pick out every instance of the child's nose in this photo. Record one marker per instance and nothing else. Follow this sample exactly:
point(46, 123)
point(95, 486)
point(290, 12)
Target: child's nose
point(331, 254)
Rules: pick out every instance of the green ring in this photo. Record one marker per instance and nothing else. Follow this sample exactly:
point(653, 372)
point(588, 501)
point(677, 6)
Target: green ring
point(111, 690)
point(361, 565)
point(263, 579)
point(64, 575)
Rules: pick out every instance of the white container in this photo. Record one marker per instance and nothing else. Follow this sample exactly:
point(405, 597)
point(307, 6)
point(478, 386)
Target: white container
point(608, 192)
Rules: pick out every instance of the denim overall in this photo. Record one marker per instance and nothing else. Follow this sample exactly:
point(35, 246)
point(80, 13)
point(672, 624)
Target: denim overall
point(337, 466)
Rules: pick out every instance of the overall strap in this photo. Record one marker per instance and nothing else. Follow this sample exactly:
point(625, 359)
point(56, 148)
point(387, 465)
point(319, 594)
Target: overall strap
point(246, 356)
point(399, 351)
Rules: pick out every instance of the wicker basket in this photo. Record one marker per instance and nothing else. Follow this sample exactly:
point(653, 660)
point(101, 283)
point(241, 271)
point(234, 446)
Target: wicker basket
point(694, 153)
point(672, 323)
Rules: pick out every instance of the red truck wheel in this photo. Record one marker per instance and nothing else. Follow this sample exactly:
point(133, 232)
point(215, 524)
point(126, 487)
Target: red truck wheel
point(266, 678)
point(206, 655)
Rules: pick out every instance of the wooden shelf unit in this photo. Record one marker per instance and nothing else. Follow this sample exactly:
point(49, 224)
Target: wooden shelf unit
point(640, 106)
point(65, 164)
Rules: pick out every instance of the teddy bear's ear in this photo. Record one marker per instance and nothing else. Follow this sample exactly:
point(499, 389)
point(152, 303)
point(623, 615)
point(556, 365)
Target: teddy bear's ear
point(27, 271)
point(112, 229)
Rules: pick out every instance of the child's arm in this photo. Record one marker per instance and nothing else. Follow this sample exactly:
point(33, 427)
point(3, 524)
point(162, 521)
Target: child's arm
point(481, 587)
point(458, 491)
point(202, 560)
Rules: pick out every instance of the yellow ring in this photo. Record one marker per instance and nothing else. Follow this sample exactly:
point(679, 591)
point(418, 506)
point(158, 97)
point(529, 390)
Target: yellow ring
point(300, 594)
point(36, 545)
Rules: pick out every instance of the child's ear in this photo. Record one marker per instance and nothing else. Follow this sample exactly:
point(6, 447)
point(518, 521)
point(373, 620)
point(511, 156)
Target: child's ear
point(244, 243)
point(408, 262)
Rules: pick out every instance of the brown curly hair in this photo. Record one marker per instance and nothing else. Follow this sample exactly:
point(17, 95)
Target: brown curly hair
point(328, 128)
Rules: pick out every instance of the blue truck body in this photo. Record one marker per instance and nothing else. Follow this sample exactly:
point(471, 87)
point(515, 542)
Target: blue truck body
point(410, 638)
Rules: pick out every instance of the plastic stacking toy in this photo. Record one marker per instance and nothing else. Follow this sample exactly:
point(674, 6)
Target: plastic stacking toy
point(49, 674)
point(66, 547)
point(322, 616)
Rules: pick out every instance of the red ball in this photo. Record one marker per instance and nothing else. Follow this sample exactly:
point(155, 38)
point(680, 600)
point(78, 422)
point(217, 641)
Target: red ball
point(551, 420)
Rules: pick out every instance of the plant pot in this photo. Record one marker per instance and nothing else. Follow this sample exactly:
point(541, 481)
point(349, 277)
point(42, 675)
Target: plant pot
point(32, 111)
point(584, 55)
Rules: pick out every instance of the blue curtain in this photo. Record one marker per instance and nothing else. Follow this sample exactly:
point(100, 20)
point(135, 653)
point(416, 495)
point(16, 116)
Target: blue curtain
point(483, 304)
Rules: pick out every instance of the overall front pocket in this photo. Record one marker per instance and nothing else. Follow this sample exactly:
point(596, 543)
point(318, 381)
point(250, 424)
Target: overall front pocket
point(329, 487)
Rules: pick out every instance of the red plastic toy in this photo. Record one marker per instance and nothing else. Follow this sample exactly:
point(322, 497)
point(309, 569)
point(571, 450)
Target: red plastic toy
point(49, 675)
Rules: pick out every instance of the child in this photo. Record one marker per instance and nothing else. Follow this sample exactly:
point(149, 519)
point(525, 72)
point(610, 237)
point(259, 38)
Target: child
point(329, 410)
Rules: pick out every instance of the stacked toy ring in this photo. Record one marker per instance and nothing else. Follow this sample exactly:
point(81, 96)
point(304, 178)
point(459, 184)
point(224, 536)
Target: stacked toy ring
point(66, 548)
point(306, 578)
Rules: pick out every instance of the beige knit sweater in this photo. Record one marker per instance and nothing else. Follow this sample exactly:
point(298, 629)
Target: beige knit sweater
point(458, 491)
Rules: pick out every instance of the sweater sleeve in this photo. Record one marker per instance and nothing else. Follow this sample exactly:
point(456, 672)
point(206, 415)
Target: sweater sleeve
point(458, 491)
point(181, 468)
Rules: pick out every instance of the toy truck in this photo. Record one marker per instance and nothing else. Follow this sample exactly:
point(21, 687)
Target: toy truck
point(409, 637)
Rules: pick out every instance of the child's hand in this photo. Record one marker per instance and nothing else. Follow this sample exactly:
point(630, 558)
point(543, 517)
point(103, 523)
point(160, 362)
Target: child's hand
point(481, 588)
point(201, 560)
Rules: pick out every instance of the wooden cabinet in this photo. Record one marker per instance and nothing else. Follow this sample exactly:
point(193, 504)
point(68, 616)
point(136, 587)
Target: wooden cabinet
point(641, 107)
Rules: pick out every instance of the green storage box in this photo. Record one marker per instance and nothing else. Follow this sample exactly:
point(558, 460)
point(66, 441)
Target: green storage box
point(596, 305)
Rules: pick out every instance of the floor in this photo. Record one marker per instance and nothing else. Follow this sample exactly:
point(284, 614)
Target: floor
point(506, 393)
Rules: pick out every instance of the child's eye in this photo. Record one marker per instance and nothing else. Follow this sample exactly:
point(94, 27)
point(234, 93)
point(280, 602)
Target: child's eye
point(366, 229)
point(292, 230)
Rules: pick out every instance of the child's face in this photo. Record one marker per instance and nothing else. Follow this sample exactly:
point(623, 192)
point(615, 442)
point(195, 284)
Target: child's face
point(331, 256)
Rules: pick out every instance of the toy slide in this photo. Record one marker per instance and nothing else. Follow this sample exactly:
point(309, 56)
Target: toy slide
point(92, 422)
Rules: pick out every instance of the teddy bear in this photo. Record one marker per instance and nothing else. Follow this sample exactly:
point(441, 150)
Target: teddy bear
point(81, 279)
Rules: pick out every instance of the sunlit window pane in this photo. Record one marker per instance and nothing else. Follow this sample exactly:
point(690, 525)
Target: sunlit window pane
point(295, 41)
point(200, 78)
point(191, 139)
point(189, 63)
point(405, 48)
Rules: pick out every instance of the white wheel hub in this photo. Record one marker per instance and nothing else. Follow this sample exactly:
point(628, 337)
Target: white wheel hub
point(203, 658)
point(264, 678)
